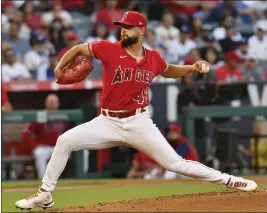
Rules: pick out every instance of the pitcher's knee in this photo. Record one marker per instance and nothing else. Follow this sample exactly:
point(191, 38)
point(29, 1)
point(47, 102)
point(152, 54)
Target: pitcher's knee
point(63, 142)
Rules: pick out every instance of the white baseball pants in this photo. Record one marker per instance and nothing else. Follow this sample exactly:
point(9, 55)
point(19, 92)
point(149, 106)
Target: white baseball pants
point(41, 156)
point(138, 132)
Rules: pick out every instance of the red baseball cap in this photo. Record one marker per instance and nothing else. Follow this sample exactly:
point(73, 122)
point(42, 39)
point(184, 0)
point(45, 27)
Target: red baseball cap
point(72, 36)
point(133, 18)
point(176, 128)
point(232, 55)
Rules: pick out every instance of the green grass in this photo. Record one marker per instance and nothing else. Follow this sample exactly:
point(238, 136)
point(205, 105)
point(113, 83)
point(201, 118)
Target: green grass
point(36, 183)
point(85, 196)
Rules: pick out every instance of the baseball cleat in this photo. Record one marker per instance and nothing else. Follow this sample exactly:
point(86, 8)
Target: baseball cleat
point(242, 184)
point(41, 199)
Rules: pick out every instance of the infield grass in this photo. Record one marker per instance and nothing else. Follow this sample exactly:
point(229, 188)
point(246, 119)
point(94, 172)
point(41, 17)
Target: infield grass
point(100, 191)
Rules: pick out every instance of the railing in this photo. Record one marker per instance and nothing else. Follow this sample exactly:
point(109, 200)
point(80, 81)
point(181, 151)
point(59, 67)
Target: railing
point(191, 114)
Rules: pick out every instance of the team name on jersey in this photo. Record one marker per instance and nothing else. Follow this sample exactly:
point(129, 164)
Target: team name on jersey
point(129, 74)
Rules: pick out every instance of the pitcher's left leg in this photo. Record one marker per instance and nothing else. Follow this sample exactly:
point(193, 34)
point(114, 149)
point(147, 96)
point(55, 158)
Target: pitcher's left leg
point(146, 137)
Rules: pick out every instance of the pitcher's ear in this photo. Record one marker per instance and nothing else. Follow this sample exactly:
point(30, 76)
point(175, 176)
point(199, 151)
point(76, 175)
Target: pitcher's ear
point(143, 30)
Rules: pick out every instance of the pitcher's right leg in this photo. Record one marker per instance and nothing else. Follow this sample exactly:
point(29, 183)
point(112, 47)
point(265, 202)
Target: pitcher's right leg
point(150, 141)
point(100, 133)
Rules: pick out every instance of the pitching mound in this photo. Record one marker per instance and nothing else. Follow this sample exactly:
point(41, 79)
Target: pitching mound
point(207, 202)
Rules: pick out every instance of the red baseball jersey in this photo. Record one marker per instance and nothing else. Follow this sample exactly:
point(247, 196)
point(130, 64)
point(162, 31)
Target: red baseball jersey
point(125, 82)
point(44, 133)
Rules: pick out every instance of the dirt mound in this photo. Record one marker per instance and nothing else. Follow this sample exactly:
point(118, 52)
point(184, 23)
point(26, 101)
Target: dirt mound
point(230, 201)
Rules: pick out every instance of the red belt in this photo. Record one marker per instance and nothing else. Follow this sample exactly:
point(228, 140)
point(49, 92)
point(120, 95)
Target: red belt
point(125, 114)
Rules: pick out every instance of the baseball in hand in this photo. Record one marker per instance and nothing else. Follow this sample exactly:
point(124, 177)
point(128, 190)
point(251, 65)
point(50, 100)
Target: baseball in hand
point(201, 67)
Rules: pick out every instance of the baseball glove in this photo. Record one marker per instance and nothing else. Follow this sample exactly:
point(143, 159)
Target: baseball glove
point(76, 71)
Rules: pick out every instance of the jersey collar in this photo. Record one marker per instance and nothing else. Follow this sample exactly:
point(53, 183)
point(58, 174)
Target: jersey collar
point(143, 60)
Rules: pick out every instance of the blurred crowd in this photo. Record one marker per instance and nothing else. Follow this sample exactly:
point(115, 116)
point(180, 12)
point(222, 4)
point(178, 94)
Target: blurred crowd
point(230, 35)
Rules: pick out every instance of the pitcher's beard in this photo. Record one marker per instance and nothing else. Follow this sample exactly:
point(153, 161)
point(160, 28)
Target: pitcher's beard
point(129, 41)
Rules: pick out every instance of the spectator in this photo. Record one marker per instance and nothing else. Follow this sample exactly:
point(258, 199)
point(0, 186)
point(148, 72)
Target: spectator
point(8, 10)
point(142, 166)
point(42, 137)
point(211, 43)
point(13, 70)
point(212, 56)
point(204, 33)
point(258, 5)
point(21, 46)
point(24, 30)
point(242, 48)
point(225, 8)
point(38, 55)
point(8, 13)
point(247, 14)
point(5, 104)
point(65, 31)
point(31, 18)
point(229, 72)
point(72, 40)
point(56, 34)
point(166, 32)
point(192, 57)
point(181, 47)
point(197, 24)
point(263, 20)
point(182, 146)
point(257, 148)
point(46, 71)
point(251, 71)
point(109, 14)
point(182, 9)
point(228, 43)
point(220, 33)
point(258, 44)
point(57, 12)
point(151, 43)
point(5, 46)
point(101, 32)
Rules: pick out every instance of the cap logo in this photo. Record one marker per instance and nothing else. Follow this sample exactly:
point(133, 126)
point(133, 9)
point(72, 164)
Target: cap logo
point(140, 23)
point(125, 16)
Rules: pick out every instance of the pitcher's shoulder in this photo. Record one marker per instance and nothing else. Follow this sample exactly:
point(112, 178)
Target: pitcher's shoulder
point(154, 53)
point(115, 45)
point(104, 42)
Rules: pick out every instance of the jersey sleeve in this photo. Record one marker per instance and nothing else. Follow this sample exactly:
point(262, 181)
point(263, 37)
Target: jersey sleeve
point(100, 49)
point(29, 134)
point(161, 64)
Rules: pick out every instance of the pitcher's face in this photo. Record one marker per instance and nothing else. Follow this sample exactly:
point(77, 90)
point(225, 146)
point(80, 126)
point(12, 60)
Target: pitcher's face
point(130, 35)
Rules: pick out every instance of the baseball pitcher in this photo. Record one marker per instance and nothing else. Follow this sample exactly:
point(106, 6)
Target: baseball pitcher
point(128, 70)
